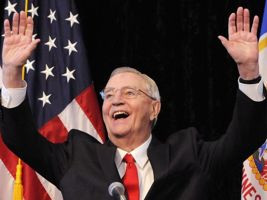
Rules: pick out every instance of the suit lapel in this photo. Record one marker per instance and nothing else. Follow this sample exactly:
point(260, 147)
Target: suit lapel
point(106, 155)
point(158, 155)
point(157, 152)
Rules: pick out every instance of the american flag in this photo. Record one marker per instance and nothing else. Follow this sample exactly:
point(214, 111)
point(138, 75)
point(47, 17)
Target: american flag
point(60, 89)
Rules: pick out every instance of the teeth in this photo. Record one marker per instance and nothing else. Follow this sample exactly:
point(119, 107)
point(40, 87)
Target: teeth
point(120, 114)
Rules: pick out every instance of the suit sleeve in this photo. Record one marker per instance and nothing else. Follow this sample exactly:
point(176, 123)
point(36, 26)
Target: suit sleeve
point(19, 133)
point(245, 134)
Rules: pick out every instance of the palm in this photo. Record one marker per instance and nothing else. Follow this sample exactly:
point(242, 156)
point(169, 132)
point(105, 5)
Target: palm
point(243, 47)
point(15, 50)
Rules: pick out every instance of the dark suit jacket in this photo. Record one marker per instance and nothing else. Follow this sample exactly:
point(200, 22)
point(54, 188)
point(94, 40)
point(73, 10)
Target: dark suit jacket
point(185, 167)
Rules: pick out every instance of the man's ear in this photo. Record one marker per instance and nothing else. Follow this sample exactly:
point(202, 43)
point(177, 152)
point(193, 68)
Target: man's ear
point(156, 106)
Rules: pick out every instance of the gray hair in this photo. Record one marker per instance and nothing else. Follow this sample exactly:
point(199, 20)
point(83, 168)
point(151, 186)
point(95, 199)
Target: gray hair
point(151, 85)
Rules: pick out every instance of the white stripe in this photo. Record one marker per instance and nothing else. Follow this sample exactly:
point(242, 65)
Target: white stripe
point(73, 117)
point(263, 64)
point(51, 190)
point(6, 183)
point(1, 82)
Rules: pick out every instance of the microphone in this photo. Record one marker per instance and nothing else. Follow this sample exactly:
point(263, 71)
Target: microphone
point(116, 189)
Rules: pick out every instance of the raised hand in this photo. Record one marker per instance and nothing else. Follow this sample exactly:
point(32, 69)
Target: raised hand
point(242, 43)
point(17, 47)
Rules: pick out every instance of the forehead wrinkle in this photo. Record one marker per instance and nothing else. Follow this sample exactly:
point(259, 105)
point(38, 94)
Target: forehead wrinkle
point(109, 88)
point(136, 82)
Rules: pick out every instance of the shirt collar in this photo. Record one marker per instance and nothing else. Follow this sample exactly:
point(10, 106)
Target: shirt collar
point(139, 154)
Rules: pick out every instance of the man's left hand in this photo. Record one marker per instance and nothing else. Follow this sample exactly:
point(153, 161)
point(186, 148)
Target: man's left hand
point(242, 43)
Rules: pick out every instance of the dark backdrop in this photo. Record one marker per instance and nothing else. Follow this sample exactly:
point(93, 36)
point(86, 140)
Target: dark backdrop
point(175, 42)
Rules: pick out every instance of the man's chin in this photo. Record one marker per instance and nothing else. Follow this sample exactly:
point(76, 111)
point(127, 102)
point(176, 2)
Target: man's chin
point(119, 135)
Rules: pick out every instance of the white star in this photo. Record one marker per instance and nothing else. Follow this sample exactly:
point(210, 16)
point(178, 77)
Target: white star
point(45, 99)
point(48, 72)
point(71, 47)
point(51, 43)
point(10, 8)
point(73, 19)
point(29, 66)
point(52, 16)
point(69, 74)
point(33, 11)
point(34, 36)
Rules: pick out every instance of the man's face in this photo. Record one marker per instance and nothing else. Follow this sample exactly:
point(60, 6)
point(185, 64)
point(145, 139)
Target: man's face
point(128, 117)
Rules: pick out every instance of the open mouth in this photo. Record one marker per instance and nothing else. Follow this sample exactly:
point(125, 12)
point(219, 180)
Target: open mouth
point(120, 115)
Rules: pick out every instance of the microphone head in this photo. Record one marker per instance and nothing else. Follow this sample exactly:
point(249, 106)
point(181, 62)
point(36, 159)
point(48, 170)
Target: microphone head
point(116, 189)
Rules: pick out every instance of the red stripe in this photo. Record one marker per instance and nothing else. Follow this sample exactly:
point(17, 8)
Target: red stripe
point(29, 177)
point(89, 104)
point(9, 159)
point(33, 189)
point(54, 130)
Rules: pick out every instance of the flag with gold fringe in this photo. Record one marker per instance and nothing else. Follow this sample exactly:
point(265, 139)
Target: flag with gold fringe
point(254, 177)
point(59, 87)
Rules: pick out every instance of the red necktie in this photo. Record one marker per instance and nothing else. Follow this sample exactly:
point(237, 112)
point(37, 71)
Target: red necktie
point(130, 179)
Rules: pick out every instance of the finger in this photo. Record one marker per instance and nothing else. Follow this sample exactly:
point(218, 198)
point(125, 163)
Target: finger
point(15, 23)
point(239, 19)
point(246, 20)
point(29, 28)
point(22, 23)
point(231, 24)
point(7, 28)
point(255, 25)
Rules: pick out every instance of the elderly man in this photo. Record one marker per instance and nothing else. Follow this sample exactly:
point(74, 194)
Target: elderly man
point(184, 168)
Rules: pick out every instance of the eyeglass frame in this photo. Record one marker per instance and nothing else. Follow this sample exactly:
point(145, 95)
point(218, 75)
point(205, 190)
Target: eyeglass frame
point(102, 93)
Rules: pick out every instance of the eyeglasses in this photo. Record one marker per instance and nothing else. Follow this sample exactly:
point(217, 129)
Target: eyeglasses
point(125, 92)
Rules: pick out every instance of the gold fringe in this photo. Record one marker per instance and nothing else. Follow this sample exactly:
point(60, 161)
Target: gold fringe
point(18, 187)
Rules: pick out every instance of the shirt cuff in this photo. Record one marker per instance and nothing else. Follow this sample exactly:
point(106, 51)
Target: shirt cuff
point(253, 91)
point(13, 97)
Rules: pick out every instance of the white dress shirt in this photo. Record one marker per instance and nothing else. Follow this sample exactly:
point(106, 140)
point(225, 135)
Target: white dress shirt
point(13, 97)
point(144, 168)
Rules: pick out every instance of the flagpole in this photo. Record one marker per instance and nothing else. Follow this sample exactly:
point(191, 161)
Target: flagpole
point(26, 11)
point(18, 186)
point(26, 6)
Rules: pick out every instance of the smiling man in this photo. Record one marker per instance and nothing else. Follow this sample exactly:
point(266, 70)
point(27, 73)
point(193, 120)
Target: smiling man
point(183, 168)
point(128, 110)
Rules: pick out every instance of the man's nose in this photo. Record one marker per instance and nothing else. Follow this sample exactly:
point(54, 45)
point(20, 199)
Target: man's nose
point(117, 99)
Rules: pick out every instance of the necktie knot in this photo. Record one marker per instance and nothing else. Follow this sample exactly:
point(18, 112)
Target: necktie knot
point(128, 158)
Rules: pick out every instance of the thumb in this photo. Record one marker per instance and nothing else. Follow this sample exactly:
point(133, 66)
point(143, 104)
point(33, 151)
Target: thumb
point(32, 46)
point(224, 41)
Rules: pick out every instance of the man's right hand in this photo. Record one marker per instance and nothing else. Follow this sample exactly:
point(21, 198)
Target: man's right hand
point(17, 47)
